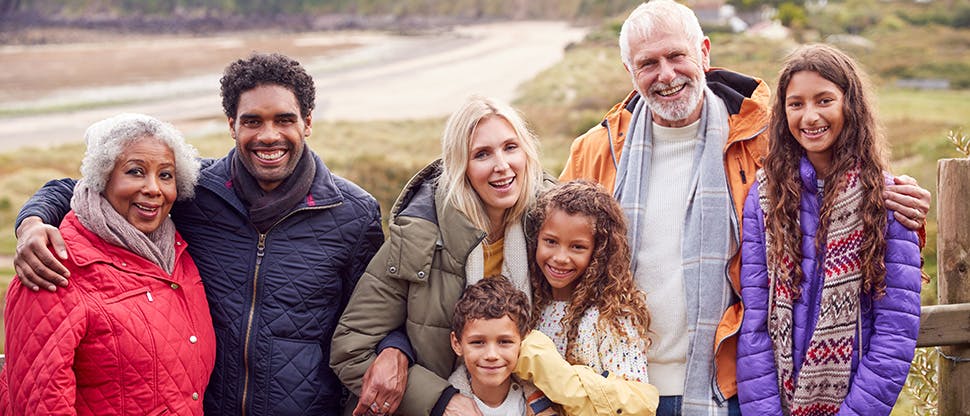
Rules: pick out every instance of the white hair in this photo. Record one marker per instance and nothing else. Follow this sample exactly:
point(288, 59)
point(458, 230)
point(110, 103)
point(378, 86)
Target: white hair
point(108, 138)
point(660, 15)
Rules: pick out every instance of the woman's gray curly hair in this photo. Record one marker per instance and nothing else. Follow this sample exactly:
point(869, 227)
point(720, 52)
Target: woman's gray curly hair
point(108, 138)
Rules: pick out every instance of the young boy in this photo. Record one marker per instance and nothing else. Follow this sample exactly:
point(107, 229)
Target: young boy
point(490, 320)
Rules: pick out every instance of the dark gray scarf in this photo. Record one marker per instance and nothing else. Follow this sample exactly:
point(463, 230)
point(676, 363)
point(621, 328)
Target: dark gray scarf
point(265, 208)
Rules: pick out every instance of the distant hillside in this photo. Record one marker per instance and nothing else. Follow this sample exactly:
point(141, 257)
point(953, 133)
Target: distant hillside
point(460, 9)
point(28, 21)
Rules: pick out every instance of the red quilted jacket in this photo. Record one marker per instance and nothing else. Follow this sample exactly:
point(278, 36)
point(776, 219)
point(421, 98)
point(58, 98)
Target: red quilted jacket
point(124, 338)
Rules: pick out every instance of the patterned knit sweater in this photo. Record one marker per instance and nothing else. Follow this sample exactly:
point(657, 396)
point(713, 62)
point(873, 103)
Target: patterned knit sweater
point(604, 351)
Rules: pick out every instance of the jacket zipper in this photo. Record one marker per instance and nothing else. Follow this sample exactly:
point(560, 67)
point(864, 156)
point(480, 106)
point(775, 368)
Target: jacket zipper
point(260, 252)
point(744, 178)
point(820, 252)
point(609, 136)
point(736, 220)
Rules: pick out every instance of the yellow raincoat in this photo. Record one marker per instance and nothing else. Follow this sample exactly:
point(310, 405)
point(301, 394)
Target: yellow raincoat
point(578, 388)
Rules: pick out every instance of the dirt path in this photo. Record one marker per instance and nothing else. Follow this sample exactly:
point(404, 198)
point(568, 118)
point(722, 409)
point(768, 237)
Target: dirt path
point(50, 94)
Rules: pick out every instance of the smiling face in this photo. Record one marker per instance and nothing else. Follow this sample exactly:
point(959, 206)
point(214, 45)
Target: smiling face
point(814, 109)
point(564, 249)
point(142, 184)
point(269, 133)
point(496, 166)
point(668, 72)
point(490, 351)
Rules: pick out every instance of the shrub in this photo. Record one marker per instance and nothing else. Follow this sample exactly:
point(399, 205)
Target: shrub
point(922, 383)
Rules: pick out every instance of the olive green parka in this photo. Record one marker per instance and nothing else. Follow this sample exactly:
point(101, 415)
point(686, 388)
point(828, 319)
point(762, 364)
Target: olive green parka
point(415, 280)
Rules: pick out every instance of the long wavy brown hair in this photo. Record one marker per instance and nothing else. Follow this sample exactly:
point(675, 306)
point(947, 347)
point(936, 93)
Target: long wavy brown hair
point(607, 283)
point(860, 143)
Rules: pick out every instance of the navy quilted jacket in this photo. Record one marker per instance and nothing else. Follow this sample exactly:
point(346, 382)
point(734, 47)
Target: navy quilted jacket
point(275, 298)
point(889, 325)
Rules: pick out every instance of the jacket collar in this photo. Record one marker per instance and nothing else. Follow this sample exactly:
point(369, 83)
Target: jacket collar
point(422, 198)
point(416, 198)
point(324, 191)
point(746, 98)
point(808, 175)
point(87, 248)
point(458, 232)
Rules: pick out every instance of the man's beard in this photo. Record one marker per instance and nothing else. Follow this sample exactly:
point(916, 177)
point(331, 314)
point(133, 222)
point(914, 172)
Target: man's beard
point(680, 109)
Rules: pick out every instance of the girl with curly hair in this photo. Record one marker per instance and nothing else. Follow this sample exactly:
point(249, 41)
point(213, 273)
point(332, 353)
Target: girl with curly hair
point(584, 296)
point(829, 279)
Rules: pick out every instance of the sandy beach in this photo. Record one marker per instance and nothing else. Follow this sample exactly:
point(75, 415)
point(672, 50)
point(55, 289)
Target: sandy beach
point(50, 93)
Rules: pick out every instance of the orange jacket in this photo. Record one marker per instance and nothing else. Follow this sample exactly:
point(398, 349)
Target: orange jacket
point(595, 155)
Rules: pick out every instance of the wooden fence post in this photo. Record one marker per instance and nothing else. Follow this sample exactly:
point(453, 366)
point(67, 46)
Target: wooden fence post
point(953, 277)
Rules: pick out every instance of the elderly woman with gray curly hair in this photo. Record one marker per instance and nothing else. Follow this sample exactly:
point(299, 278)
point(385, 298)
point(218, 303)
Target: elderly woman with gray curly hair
point(132, 333)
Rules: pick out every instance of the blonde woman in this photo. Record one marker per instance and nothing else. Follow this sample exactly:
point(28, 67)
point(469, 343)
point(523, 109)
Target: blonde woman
point(456, 222)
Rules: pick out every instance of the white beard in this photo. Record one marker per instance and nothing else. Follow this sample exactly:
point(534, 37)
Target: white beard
point(679, 109)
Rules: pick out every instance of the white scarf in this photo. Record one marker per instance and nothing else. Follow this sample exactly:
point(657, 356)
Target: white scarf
point(515, 261)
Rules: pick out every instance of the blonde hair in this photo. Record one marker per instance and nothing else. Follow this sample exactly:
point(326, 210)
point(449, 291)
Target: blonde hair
point(455, 145)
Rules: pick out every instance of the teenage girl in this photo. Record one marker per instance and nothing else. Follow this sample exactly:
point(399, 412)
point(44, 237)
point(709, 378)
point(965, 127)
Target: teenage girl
point(830, 281)
point(584, 296)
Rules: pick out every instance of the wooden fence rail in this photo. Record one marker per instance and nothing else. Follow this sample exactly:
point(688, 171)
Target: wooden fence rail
point(941, 325)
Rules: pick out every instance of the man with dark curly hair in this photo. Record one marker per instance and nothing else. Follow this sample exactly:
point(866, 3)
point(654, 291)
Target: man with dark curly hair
point(280, 242)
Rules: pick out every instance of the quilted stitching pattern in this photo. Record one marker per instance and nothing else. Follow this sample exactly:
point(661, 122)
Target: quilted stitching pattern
point(310, 265)
point(889, 325)
point(103, 345)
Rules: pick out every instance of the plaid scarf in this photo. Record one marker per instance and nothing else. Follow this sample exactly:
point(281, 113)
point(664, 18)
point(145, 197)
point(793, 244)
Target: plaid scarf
point(709, 239)
point(823, 380)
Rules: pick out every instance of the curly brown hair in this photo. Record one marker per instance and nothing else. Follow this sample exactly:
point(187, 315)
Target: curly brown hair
point(860, 143)
point(266, 69)
point(492, 298)
point(607, 283)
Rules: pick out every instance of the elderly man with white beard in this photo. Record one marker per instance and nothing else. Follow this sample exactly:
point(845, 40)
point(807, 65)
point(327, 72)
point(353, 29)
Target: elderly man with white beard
point(680, 154)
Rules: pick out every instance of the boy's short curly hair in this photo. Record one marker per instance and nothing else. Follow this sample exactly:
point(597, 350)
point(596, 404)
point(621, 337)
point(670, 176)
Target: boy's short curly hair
point(492, 298)
point(262, 69)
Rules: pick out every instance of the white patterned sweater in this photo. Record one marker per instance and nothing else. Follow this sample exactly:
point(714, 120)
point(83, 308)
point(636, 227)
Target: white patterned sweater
point(602, 350)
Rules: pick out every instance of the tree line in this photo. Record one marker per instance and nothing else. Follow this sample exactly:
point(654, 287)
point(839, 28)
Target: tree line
point(516, 9)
